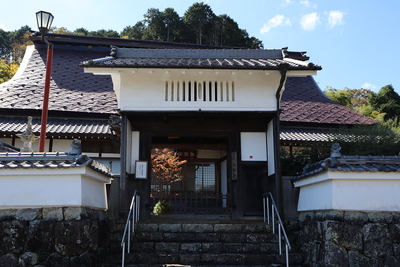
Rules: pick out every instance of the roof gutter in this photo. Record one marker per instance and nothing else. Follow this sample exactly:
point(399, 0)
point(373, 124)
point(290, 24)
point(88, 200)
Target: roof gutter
point(283, 68)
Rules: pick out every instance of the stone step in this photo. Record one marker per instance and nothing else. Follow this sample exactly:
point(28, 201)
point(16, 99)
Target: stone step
point(204, 243)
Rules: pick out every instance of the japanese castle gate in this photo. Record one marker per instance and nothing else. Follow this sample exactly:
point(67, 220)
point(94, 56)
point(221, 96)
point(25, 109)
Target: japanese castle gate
point(219, 109)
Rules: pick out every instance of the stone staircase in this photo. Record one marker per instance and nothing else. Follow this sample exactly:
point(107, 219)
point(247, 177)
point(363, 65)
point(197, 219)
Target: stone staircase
point(204, 241)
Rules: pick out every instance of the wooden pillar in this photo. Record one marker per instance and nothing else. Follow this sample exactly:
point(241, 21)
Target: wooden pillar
point(123, 206)
point(144, 185)
point(234, 171)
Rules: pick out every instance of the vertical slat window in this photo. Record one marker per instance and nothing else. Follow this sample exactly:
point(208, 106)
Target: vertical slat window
point(205, 91)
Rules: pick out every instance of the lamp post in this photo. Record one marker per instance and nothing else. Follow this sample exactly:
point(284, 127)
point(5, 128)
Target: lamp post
point(44, 20)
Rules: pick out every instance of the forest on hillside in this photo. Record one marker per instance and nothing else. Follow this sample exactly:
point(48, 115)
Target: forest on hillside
point(199, 25)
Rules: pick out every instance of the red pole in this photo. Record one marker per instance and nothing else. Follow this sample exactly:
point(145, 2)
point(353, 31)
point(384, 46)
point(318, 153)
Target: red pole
point(46, 94)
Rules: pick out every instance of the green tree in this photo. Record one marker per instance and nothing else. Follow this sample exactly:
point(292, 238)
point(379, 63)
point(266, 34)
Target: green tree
point(134, 32)
point(104, 33)
point(9, 42)
point(7, 70)
point(81, 31)
point(343, 97)
point(61, 30)
point(199, 19)
point(386, 101)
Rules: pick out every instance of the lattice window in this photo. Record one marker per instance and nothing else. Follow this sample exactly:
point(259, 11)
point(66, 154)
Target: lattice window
point(206, 91)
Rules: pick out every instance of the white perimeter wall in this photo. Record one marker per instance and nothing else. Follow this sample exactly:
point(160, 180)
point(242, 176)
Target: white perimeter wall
point(354, 191)
point(25, 188)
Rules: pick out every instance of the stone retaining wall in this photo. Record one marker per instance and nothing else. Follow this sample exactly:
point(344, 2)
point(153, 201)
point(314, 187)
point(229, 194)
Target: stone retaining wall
point(53, 237)
point(338, 238)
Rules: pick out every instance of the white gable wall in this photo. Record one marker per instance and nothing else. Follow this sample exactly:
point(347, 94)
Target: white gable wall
point(145, 89)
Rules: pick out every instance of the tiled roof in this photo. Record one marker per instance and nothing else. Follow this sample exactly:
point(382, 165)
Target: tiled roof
point(57, 126)
point(307, 134)
point(75, 92)
point(303, 101)
point(4, 147)
point(200, 58)
point(49, 160)
point(71, 89)
point(342, 163)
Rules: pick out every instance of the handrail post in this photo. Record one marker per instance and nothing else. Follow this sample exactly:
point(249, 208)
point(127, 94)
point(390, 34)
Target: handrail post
point(264, 200)
point(268, 210)
point(273, 218)
point(280, 238)
point(281, 228)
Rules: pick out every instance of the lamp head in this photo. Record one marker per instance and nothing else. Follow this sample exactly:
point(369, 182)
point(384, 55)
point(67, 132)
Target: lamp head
point(44, 20)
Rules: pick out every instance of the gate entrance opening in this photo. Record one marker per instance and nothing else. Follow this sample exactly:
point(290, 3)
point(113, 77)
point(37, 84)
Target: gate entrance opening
point(203, 187)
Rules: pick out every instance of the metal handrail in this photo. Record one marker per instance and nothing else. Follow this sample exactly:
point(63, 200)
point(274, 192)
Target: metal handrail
point(133, 217)
point(281, 228)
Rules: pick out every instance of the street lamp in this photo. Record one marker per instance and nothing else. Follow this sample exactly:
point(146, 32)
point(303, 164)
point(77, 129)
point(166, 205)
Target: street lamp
point(44, 20)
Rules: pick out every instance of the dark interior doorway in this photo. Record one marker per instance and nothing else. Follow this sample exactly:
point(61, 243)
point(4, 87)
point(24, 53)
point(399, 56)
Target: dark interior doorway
point(203, 187)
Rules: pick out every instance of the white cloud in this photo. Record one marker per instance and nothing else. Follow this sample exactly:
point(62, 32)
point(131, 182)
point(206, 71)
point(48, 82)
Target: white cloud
point(309, 21)
point(275, 22)
point(335, 18)
point(307, 3)
point(286, 2)
point(4, 28)
point(368, 85)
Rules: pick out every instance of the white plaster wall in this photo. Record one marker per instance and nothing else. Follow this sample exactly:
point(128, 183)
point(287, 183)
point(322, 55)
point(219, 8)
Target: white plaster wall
point(144, 89)
point(270, 148)
point(253, 146)
point(361, 191)
point(24, 188)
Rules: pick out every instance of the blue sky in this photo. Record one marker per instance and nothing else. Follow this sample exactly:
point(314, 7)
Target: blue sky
point(355, 41)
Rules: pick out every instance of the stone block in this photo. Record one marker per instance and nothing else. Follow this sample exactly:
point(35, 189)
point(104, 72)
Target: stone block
point(85, 259)
point(149, 236)
point(41, 236)
point(235, 238)
point(55, 214)
point(251, 248)
point(269, 248)
point(74, 213)
point(377, 240)
point(228, 228)
point(310, 252)
point(190, 247)
point(8, 260)
point(211, 247)
point(347, 235)
point(380, 217)
point(73, 238)
point(357, 259)
point(395, 232)
point(334, 255)
point(143, 247)
point(28, 259)
point(57, 260)
point(256, 228)
point(190, 259)
point(147, 227)
point(167, 247)
point(257, 238)
point(232, 248)
point(259, 259)
point(170, 228)
point(306, 217)
point(8, 214)
point(208, 237)
point(225, 259)
point(197, 228)
point(179, 237)
point(13, 236)
point(28, 214)
point(356, 217)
